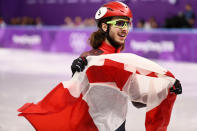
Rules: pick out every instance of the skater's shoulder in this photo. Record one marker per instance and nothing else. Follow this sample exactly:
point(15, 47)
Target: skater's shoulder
point(93, 52)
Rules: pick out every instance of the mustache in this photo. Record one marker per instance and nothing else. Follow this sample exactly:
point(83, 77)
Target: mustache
point(123, 32)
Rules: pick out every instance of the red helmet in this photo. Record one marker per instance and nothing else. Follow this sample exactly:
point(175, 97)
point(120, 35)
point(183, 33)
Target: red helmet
point(113, 9)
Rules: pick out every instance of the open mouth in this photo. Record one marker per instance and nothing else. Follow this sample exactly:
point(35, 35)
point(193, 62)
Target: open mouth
point(123, 35)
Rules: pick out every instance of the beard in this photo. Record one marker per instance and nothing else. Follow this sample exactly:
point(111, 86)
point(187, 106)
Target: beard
point(113, 42)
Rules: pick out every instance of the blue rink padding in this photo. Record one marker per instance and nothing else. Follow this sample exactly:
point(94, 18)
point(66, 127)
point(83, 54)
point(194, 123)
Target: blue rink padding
point(27, 76)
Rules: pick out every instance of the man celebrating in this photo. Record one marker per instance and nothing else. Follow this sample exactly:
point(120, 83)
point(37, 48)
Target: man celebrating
point(114, 19)
point(97, 98)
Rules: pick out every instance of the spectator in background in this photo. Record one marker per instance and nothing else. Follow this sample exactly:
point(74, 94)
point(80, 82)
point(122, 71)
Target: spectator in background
point(78, 22)
point(89, 22)
point(86, 22)
point(189, 15)
point(151, 23)
point(38, 22)
point(68, 22)
point(92, 22)
point(24, 20)
point(15, 21)
point(141, 23)
point(184, 19)
point(31, 21)
point(177, 21)
point(2, 22)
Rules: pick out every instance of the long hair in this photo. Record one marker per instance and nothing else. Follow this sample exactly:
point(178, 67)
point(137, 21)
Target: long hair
point(98, 36)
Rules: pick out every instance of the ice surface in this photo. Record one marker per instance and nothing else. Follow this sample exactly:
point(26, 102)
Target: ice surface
point(27, 76)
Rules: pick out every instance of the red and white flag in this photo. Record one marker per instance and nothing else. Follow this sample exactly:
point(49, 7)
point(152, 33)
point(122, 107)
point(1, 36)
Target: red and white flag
point(97, 98)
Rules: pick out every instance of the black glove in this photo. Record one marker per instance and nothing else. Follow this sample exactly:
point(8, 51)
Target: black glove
point(177, 88)
point(79, 65)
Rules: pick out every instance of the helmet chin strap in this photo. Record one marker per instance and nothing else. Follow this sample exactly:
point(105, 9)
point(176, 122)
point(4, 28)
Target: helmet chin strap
point(112, 41)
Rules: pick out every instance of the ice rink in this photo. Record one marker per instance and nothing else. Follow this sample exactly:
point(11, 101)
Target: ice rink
point(27, 76)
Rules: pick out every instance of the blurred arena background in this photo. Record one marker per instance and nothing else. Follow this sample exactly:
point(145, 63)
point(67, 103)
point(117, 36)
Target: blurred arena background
point(39, 39)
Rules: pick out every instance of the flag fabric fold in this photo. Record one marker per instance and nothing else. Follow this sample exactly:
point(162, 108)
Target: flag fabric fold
point(97, 98)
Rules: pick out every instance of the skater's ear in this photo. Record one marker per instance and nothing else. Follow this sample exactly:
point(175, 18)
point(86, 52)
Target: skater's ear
point(104, 27)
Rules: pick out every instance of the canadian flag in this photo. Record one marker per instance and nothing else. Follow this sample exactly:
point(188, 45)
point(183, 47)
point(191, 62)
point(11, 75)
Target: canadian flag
point(97, 98)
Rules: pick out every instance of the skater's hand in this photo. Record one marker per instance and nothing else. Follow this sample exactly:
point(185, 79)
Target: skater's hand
point(177, 88)
point(79, 65)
